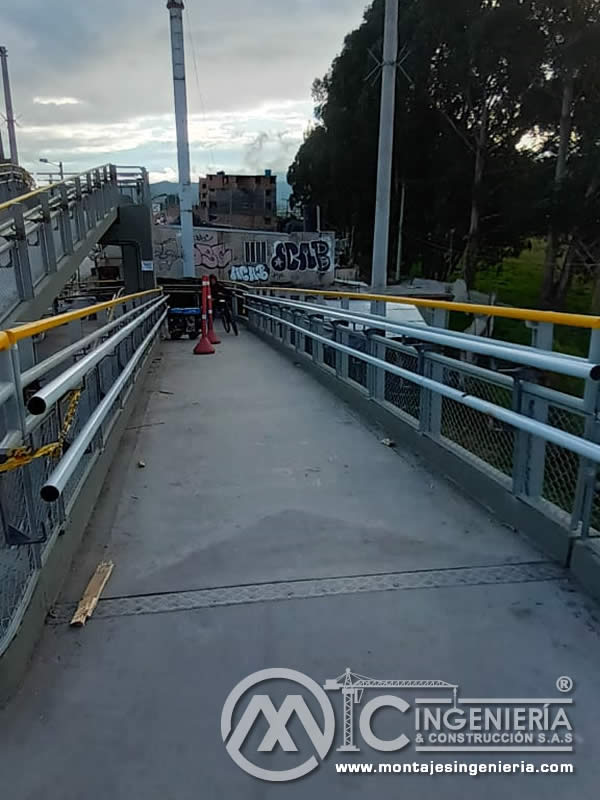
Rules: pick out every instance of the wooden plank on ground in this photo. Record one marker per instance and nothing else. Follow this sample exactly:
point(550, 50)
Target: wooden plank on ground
point(94, 589)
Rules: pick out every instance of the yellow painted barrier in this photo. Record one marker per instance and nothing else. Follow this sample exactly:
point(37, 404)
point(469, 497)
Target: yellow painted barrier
point(27, 196)
point(508, 312)
point(28, 329)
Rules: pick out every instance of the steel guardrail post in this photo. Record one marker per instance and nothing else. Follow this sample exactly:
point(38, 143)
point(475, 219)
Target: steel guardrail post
point(21, 418)
point(435, 371)
point(65, 221)
point(587, 476)
point(79, 211)
point(341, 358)
point(543, 339)
point(23, 266)
point(315, 323)
point(91, 200)
point(99, 195)
point(425, 394)
point(521, 444)
point(49, 247)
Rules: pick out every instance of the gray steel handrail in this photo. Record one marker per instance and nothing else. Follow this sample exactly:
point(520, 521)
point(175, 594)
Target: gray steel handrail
point(59, 478)
point(53, 391)
point(530, 357)
point(561, 438)
point(63, 355)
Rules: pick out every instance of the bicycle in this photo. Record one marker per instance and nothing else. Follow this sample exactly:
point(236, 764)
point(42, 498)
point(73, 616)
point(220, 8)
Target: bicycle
point(227, 317)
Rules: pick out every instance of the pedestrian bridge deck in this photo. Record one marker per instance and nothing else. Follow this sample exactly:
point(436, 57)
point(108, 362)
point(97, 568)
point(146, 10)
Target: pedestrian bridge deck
point(324, 549)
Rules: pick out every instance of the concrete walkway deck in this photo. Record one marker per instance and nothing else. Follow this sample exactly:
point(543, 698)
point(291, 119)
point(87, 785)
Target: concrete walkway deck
point(271, 528)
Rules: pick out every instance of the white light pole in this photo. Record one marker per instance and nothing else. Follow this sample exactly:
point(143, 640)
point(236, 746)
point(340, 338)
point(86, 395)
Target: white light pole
point(386, 148)
point(10, 117)
point(183, 148)
point(60, 166)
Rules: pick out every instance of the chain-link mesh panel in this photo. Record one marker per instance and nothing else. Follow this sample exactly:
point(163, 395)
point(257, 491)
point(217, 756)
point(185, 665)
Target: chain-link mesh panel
point(562, 466)
point(20, 488)
point(357, 368)
point(480, 434)
point(9, 294)
point(399, 391)
point(329, 353)
point(36, 256)
point(47, 516)
point(59, 247)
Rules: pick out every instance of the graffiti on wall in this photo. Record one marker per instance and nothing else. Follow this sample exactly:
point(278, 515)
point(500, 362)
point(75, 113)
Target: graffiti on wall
point(209, 252)
point(249, 274)
point(315, 255)
point(297, 259)
point(212, 256)
point(166, 253)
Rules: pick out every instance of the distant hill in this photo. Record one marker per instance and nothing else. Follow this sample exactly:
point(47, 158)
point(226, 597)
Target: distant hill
point(164, 187)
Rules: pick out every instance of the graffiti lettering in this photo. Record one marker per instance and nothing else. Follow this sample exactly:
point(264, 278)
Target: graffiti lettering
point(302, 256)
point(257, 272)
point(167, 254)
point(215, 256)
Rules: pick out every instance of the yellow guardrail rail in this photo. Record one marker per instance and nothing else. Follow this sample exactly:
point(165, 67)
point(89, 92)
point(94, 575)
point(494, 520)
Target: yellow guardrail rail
point(33, 193)
point(524, 314)
point(13, 201)
point(13, 335)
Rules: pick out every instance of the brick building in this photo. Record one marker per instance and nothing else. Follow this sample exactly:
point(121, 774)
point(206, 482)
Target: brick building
point(239, 201)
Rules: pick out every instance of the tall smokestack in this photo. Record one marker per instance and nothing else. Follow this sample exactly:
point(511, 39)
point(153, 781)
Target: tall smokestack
point(10, 117)
point(183, 147)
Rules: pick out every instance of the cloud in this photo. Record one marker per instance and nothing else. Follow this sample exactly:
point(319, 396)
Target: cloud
point(56, 101)
point(100, 87)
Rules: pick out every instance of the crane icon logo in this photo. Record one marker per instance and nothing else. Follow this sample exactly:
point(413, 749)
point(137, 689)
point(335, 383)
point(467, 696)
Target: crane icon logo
point(234, 737)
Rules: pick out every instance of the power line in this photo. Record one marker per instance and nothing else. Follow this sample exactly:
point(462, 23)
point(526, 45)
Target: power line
point(192, 42)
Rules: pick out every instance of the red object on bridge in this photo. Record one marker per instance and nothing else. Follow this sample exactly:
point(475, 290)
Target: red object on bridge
point(212, 336)
point(204, 347)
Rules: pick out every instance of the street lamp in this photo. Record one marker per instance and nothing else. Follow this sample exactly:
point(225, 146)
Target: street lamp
point(59, 165)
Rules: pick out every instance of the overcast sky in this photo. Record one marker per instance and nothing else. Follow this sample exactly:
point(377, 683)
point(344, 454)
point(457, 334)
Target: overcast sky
point(92, 80)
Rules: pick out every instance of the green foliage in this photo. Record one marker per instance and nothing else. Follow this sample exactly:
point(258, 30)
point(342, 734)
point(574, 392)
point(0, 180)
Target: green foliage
point(481, 81)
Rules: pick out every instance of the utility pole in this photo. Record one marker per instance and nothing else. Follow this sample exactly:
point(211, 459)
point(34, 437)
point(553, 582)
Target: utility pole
point(183, 147)
point(10, 117)
point(400, 233)
point(1, 148)
point(386, 148)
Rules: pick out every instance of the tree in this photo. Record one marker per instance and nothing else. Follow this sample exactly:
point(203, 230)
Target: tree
point(497, 124)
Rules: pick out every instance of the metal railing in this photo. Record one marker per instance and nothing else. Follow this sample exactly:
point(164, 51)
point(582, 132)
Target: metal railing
point(485, 400)
point(46, 228)
point(55, 419)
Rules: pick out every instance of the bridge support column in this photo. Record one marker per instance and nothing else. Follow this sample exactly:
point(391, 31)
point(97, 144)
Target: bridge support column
point(133, 232)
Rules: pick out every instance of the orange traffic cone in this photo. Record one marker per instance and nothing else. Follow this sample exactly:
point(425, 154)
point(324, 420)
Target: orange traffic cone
point(212, 336)
point(204, 347)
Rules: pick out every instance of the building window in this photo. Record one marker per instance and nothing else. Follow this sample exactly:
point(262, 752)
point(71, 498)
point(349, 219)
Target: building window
point(268, 205)
point(267, 193)
point(256, 252)
point(267, 220)
point(204, 185)
point(203, 204)
point(213, 203)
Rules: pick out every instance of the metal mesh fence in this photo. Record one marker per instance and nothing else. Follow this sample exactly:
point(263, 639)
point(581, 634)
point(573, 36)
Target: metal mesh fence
point(479, 434)
point(401, 392)
point(561, 466)
point(357, 368)
point(23, 515)
point(545, 473)
point(329, 353)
